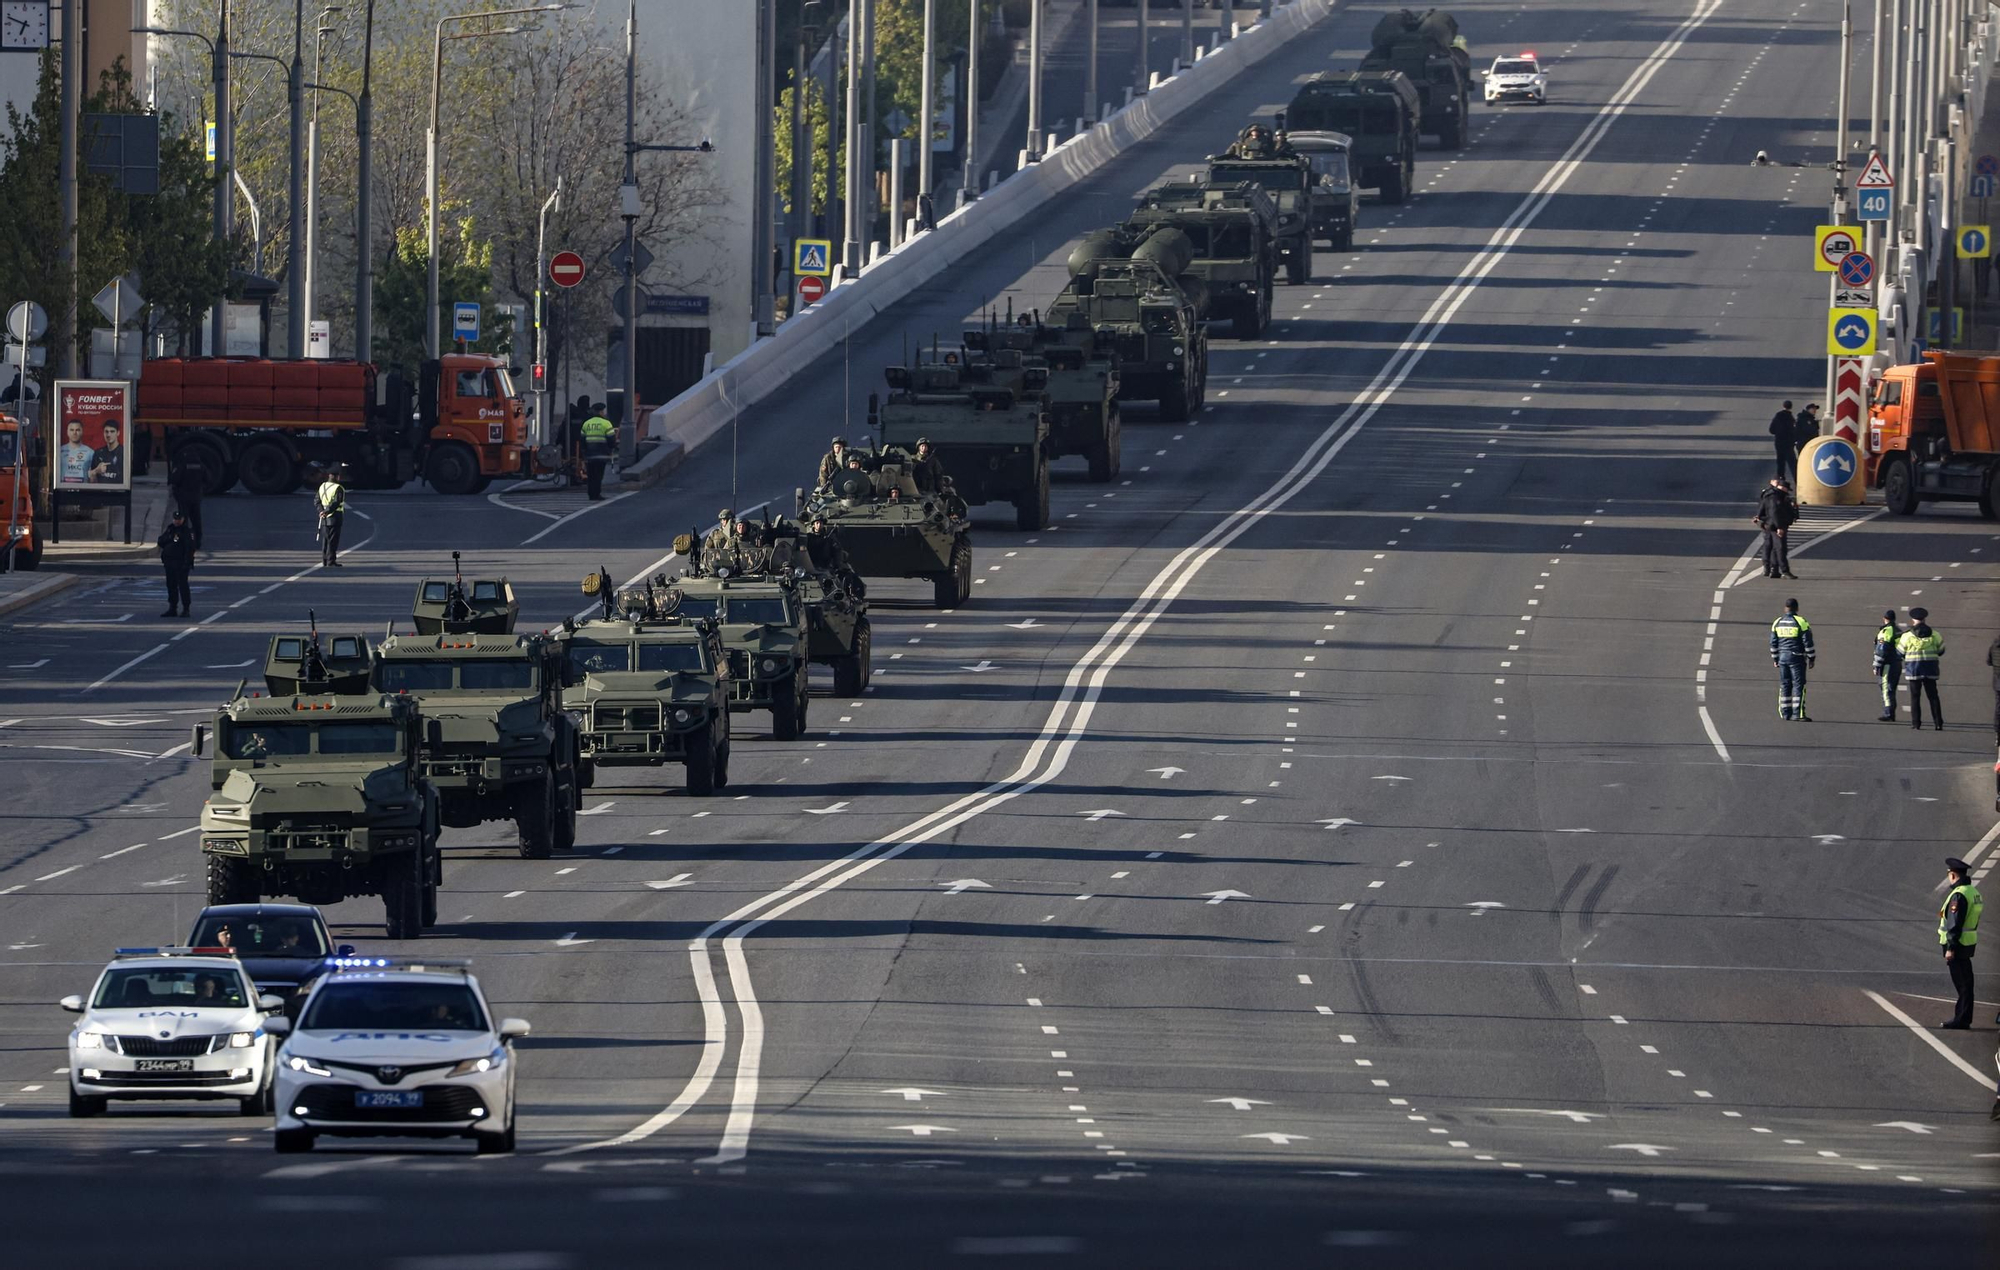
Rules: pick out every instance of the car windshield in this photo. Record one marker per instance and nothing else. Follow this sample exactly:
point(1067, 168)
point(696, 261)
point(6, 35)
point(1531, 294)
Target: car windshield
point(267, 740)
point(765, 609)
point(590, 659)
point(357, 738)
point(514, 674)
point(693, 606)
point(1262, 176)
point(412, 676)
point(349, 1005)
point(670, 657)
point(156, 988)
point(276, 935)
point(1515, 67)
point(10, 448)
point(1332, 166)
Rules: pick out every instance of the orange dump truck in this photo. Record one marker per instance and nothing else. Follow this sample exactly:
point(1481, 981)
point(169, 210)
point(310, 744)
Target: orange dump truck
point(266, 423)
point(17, 498)
point(1934, 432)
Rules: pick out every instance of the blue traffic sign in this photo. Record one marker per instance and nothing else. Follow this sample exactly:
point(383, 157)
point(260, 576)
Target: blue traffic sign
point(1987, 165)
point(465, 320)
point(1857, 269)
point(1981, 186)
point(1833, 463)
point(1852, 332)
point(1872, 204)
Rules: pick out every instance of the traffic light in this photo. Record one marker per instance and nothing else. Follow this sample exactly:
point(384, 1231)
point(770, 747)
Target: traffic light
point(538, 376)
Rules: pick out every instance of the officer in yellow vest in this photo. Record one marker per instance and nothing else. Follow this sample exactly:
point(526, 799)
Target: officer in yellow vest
point(597, 433)
point(331, 502)
point(1958, 934)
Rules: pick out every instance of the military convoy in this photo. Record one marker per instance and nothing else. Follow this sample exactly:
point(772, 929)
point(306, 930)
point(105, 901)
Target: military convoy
point(989, 416)
point(1428, 49)
point(1268, 162)
point(1378, 111)
point(1082, 389)
point(1224, 237)
point(876, 523)
point(1334, 200)
point(1149, 321)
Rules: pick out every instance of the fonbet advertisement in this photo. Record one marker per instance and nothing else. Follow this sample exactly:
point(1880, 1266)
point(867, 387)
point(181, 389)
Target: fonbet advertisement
point(91, 427)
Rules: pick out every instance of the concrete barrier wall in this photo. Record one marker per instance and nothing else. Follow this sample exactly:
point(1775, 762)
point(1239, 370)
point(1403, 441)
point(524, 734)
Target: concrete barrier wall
point(767, 366)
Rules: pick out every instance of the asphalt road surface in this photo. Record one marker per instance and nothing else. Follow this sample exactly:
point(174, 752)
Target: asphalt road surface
point(1361, 834)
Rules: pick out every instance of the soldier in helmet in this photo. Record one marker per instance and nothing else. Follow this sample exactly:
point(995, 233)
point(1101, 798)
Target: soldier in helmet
point(832, 462)
point(718, 546)
point(924, 467)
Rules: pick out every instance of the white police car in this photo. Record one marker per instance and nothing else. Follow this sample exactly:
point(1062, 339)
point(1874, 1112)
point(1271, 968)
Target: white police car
point(388, 1047)
point(170, 1023)
point(1517, 78)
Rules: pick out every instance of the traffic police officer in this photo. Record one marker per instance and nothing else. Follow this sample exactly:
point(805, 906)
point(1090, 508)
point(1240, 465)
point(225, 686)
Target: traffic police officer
point(1921, 648)
point(177, 545)
point(1958, 935)
point(1889, 666)
point(331, 503)
point(597, 433)
point(1792, 653)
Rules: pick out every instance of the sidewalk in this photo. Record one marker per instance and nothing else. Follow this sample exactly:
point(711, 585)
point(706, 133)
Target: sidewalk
point(83, 540)
point(19, 590)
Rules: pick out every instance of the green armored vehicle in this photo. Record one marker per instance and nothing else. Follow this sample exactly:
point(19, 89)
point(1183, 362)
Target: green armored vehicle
point(1378, 111)
point(1428, 48)
point(988, 417)
point(1082, 388)
point(876, 522)
point(1223, 236)
point(1336, 202)
point(506, 749)
point(652, 687)
point(838, 632)
point(319, 790)
point(1148, 320)
point(1265, 159)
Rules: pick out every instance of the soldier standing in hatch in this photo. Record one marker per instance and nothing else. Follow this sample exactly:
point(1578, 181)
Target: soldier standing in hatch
point(832, 462)
point(924, 468)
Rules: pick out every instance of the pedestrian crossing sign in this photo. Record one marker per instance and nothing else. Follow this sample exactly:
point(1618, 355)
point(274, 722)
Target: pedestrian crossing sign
point(812, 257)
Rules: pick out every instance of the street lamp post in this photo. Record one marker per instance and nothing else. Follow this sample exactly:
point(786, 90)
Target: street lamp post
point(927, 110)
point(225, 207)
point(432, 336)
point(364, 195)
point(969, 179)
point(295, 212)
point(1035, 81)
point(322, 30)
point(541, 312)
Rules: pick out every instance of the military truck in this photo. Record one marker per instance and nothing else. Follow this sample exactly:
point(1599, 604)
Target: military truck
point(318, 790)
point(988, 418)
point(878, 524)
point(1149, 321)
point(1082, 388)
point(1265, 159)
point(651, 686)
point(1336, 203)
point(1225, 236)
point(506, 749)
point(1380, 113)
point(1428, 48)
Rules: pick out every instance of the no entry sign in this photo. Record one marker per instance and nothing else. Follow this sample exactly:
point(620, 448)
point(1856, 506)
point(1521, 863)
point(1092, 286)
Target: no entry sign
point(811, 290)
point(566, 269)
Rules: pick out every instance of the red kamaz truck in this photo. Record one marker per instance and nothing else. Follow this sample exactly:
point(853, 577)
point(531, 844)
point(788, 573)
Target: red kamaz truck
point(1934, 433)
point(266, 423)
point(17, 497)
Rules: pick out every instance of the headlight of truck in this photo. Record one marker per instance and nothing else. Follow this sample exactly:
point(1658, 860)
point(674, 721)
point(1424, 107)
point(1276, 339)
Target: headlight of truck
point(474, 1066)
point(229, 811)
point(310, 1066)
point(242, 1040)
point(682, 714)
point(225, 846)
point(768, 666)
point(90, 1040)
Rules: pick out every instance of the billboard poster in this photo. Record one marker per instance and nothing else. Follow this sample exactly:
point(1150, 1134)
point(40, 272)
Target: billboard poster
point(90, 427)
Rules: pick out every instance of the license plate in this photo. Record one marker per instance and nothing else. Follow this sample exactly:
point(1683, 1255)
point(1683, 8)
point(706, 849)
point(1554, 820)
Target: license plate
point(166, 1064)
point(366, 1098)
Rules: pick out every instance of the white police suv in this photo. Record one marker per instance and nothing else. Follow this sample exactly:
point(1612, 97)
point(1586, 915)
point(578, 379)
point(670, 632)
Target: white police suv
point(393, 1047)
point(171, 1023)
point(1517, 78)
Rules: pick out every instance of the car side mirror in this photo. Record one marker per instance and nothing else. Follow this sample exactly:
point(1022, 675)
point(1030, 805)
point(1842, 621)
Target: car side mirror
point(345, 950)
point(278, 1026)
point(270, 1003)
point(74, 1004)
point(197, 739)
point(513, 1029)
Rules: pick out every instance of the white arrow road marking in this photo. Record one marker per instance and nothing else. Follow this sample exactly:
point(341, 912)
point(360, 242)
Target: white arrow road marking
point(913, 1094)
point(1242, 1104)
point(1911, 1125)
point(1574, 1117)
point(923, 1130)
point(35, 665)
point(1576, 831)
point(1392, 778)
point(963, 884)
point(119, 723)
point(1101, 813)
point(678, 879)
point(1338, 822)
point(1479, 907)
point(1279, 1139)
point(1643, 1148)
point(601, 1162)
point(24, 947)
point(598, 810)
point(826, 811)
point(570, 941)
point(1027, 624)
point(1167, 773)
point(177, 879)
point(1216, 897)
point(232, 665)
point(1827, 839)
point(981, 668)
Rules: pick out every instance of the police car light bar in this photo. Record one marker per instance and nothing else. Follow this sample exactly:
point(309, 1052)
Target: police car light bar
point(1530, 55)
point(174, 952)
point(398, 963)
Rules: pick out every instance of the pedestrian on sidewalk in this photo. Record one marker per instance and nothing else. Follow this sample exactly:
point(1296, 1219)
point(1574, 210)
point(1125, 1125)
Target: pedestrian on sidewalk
point(1889, 665)
point(177, 557)
point(1776, 513)
point(1922, 648)
point(1793, 654)
point(1784, 440)
point(331, 504)
point(185, 482)
point(1958, 935)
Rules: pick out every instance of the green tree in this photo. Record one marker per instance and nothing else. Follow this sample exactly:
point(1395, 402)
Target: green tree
point(465, 273)
point(817, 124)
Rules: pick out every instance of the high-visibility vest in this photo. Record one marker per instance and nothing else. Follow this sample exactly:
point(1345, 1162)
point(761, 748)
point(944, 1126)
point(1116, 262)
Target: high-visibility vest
point(1968, 935)
point(332, 497)
point(597, 429)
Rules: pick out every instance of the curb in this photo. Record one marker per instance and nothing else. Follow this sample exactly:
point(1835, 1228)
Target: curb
point(41, 589)
point(654, 468)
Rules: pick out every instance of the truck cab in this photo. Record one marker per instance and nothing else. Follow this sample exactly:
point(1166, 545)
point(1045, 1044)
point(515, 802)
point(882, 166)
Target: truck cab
point(1934, 432)
point(478, 423)
point(17, 495)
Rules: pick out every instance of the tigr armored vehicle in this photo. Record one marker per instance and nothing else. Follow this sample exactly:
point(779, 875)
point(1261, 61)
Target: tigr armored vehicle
point(1378, 111)
point(651, 686)
point(506, 749)
point(319, 790)
point(880, 525)
point(1082, 388)
point(1267, 161)
point(762, 619)
point(988, 418)
point(1428, 48)
point(1222, 236)
point(1336, 203)
point(1148, 319)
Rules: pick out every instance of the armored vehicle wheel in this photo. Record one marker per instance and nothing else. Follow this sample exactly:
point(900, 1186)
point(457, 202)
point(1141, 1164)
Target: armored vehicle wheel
point(566, 800)
point(1899, 488)
point(535, 818)
point(1174, 403)
point(1394, 185)
point(28, 559)
point(701, 765)
point(1249, 323)
point(292, 1141)
point(82, 1105)
point(403, 895)
point(787, 710)
point(586, 776)
point(1104, 457)
point(1031, 511)
point(1299, 268)
point(430, 914)
point(851, 673)
point(1458, 131)
point(1344, 240)
point(1986, 504)
point(453, 469)
point(953, 588)
point(231, 881)
point(722, 766)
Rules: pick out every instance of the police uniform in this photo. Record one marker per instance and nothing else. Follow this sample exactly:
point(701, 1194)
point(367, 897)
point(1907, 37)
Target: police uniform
point(1921, 648)
point(332, 503)
point(177, 545)
point(1793, 653)
point(597, 433)
point(1889, 667)
point(1958, 937)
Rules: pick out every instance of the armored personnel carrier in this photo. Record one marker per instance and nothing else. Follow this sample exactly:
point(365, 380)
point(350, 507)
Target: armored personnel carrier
point(877, 524)
point(651, 686)
point(1223, 236)
point(1265, 159)
point(988, 418)
point(506, 749)
point(1082, 388)
point(1428, 48)
point(1378, 111)
point(1147, 319)
point(318, 789)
